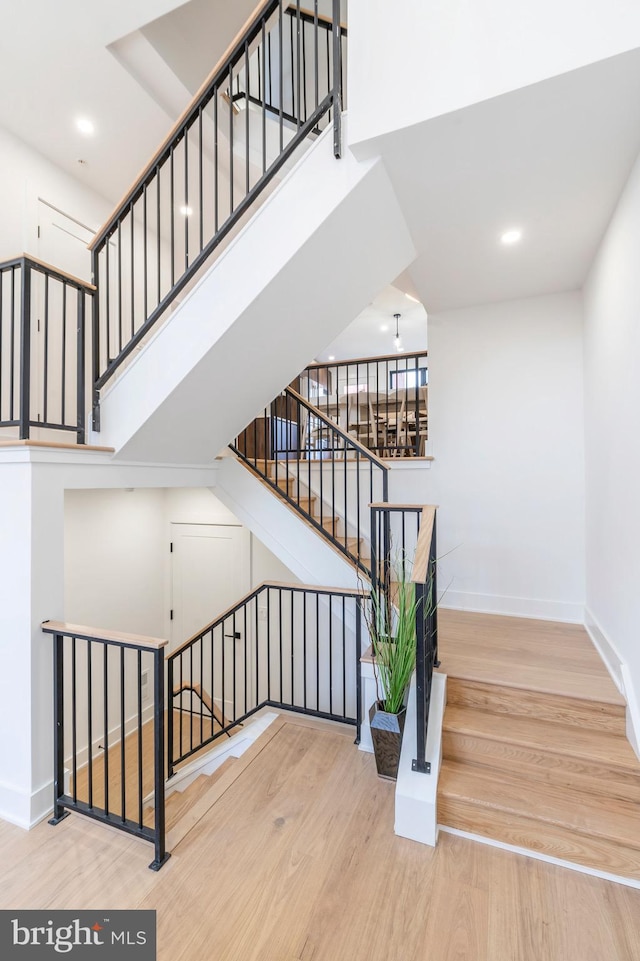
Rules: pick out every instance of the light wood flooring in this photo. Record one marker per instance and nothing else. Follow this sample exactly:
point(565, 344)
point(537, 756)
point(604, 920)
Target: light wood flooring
point(293, 858)
point(534, 746)
point(189, 730)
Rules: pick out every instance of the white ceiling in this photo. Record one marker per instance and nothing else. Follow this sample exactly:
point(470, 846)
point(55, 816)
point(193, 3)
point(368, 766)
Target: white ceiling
point(364, 336)
point(551, 158)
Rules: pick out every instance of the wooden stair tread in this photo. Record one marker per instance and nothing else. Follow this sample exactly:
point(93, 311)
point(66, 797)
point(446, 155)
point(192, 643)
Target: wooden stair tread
point(519, 702)
point(548, 736)
point(609, 819)
point(544, 656)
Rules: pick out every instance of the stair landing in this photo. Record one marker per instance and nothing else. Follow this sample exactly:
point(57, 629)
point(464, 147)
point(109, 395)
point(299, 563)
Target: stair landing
point(535, 752)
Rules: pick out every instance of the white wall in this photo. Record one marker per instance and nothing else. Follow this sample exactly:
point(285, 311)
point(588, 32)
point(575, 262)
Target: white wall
point(26, 175)
point(114, 560)
point(506, 430)
point(413, 60)
point(612, 409)
point(117, 560)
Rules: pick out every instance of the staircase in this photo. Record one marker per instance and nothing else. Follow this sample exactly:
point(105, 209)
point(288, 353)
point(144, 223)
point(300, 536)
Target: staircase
point(535, 752)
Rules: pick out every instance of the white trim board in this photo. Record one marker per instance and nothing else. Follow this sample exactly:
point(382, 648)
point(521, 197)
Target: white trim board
point(620, 675)
point(565, 611)
point(579, 868)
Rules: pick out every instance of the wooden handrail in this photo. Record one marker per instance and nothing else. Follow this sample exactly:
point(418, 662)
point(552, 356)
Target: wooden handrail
point(343, 591)
point(365, 360)
point(50, 269)
point(423, 547)
point(123, 202)
point(102, 634)
point(319, 413)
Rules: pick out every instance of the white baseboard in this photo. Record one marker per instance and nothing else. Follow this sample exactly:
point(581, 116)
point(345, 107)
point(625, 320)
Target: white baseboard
point(620, 675)
point(526, 852)
point(605, 648)
point(25, 809)
point(514, 606)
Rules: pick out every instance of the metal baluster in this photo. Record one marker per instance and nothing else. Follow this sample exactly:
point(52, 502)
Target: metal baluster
point(246, 117)
point(216, 212)
point(45, 405)
point(281, 73)
point(63, 379)
point(158, 760)
point(200, 181)
point(80, 367)
point(172, 244)
point(133, 275)
point(186, 199)
point(123, 761)
point(25, 351)
point(316, 53)
point(170, 718)
point(292, 649)
point(330, 654)
point(337, 88)
point(230, 139)
point(89, 723)
point(304, 649)
point(58, 720)
point(263, 97)
point(145, 256)
point(140, 783)
point(358, 668)
point(105, 757)
point(74, 720)
point(120, 291)
point(269, 644)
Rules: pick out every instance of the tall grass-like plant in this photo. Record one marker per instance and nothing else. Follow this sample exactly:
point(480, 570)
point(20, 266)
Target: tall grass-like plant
point(392, 628)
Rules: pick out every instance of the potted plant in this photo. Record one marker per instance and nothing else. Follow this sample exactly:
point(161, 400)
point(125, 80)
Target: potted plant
point(392, 629)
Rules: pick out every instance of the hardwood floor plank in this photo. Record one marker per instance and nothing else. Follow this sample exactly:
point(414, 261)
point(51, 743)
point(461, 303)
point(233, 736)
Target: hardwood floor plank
point(297, 861)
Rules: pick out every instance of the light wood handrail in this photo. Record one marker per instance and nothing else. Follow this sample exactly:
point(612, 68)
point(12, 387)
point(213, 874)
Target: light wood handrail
point(102, 634)
point(423, 547)
point(370, 360)
point(254, 593)
point(122, 203)
point(62, 274)
point(318, 412)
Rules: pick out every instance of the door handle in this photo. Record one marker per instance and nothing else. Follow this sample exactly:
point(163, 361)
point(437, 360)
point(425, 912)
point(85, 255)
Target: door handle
point(237, 636)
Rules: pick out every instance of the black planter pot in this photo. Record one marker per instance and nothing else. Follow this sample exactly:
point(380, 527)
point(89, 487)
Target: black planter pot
point(386, 734)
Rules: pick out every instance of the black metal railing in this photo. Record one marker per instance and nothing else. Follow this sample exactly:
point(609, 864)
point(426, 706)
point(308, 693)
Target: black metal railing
point(380, 400)
point(206, 176)
point(44, 317)
point(307, 64)
point(403, 551)
point(324, 473)
point(109, 730)
point(293, 647)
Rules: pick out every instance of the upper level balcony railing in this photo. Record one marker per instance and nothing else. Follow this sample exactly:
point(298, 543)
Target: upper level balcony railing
point(382, 401)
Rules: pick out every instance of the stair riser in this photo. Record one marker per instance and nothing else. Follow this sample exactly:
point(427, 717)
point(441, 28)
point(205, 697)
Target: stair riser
point(543, 838)
point(566, 771)
point(547, 707)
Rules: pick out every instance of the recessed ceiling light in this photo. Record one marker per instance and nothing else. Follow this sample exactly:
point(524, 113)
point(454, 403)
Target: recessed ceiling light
point(85, 126)
point(186, 211)
point(414, 299)
point(384, 327)
point(511, 237)
point(331, 357)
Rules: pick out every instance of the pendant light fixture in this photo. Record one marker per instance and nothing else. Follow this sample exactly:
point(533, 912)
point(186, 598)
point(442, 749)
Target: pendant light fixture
point(396, 339)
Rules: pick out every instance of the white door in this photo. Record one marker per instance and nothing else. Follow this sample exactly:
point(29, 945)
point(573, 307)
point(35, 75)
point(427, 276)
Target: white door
point(210, 574)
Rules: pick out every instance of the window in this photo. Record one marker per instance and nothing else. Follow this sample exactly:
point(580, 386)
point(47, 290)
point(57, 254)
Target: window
point(408, 378)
